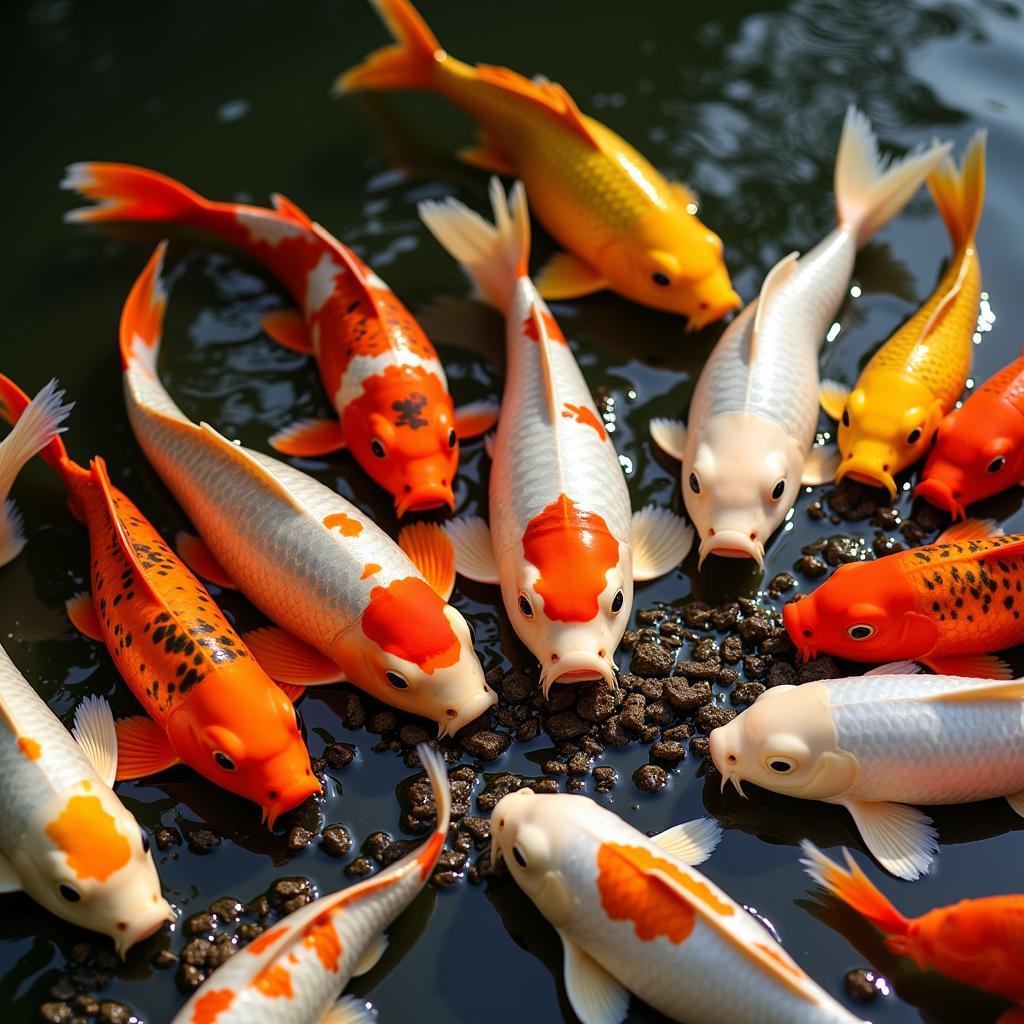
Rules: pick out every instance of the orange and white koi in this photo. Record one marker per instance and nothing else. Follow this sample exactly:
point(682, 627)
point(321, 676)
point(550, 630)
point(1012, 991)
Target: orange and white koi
point(635, 916)
point(382, 374)
point(562, 542)
point(210, 705)
point(65, 838)
point(295, 971)
point(353, 604)
point(623, 225)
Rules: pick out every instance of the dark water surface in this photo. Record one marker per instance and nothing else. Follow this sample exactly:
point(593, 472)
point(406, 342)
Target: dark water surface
point(742, 100)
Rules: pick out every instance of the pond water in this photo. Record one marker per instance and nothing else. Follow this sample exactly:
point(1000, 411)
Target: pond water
point(744, 102)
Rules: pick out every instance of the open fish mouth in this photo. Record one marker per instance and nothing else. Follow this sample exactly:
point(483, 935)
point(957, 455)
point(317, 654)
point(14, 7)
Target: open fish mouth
point(731, 544)
point(938, 493)
point(868, 472)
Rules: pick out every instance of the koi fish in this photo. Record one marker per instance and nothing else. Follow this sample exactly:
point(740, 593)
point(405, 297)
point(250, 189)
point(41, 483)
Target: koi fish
point(382, 374)
point(623, 225)
point(945, 605)
point(635, 916)
point(209, 704)
point(296, 970)
point(887, 421)
point(754, 413)
point(979, 942)
point(40, 424)
point(979, 449)
point(65, 838)
point(562, 543)
point(878, 742)
point(353, 604)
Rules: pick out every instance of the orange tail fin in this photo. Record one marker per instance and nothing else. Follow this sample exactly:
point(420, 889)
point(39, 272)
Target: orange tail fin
point(960, 193)
point(406, 65)
point(14, 402)
point(852, 886)
point(142, 317)
point(125, 192)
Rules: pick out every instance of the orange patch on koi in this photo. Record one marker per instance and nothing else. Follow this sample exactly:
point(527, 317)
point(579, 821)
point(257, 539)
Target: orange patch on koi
point(274, 982)
point(265, 941)
point(29, 747)
point(406, 618)
point(532, 326)
point(585, 416)
point(573, 551)
point(322, 938)
point(369, 570)
point(212, 1005)
point(89, 837)
point(347, 526)
point(783, 961)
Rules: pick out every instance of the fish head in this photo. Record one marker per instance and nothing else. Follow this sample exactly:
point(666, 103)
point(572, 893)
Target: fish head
point(865, 611)
point(974, 457)
point(568, 592)
point(786, 742)
point(887, 424)
point(87, 860)
point(740, 483)
point(402, 432)
point(238, 729)
point(670, 261)
point(414, 651)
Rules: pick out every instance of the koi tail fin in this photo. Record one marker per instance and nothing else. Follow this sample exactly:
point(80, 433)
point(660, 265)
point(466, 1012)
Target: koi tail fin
point(960, 193)
point(125, 192)
point(434, 766)
point(853, 887)
point(494, 256)
point(870, 189)
point(406, 65)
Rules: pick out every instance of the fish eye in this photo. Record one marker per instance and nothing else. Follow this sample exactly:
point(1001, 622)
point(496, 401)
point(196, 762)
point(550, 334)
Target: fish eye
point(398, 681)
point(617, 603)
point(780, 765)
point(862, 631)
point(524, 605)
point(518, 854)
point(914, 436)
point(660, 279)
point(451, 437)
point(846, 417)
point(997, 464)
point(224, 761)
point(694, 483)
point(71, 894)
point(779, 489)
point(378, 449)
point(145, 840)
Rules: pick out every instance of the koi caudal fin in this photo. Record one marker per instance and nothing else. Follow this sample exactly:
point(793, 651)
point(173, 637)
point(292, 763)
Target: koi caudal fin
point(125, 192)
point(408, 64)
point(852, 886)
point(494, 256)
point(960, 194)
point(870, 190)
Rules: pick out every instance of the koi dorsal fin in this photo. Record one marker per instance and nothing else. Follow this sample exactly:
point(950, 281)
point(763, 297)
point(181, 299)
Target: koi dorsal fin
point(777, 277)
point(350, 262)
point(544, 351)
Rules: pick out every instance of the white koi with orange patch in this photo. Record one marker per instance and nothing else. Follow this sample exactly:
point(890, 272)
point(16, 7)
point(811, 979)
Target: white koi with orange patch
point(65, 838)
point(294, 972)
point(563, 543)
point(352, 603)
point(635, 916)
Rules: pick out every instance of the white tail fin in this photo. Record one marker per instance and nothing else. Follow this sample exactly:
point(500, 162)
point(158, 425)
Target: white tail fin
point(494, 256)
point(37, 426)
point(871, 190)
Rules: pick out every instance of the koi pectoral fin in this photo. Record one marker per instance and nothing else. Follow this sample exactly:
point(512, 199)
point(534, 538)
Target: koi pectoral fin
point(981, 666)
point(475, 418)
point(970, 529)
point(431, 550)
point(1016, 802)
point(595, 996)
point(669, 436)
point(192, 550)
point(566, 276)
point(821, 465)
point(661, 540)
point(348, 1010)
point(82, 613)
point(94, 732)
point(902, 839)
point(292, 691)
point(692, 842)
point(9, 881)
point(142, 748)
point(474, 556)
point(287, 659)
point(488, 156)
point(833, 397)
point(288, 328)
point(308, 439)
point(371, 957)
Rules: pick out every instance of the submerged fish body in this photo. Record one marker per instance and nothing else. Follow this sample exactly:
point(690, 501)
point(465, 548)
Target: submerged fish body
point(888, 420)
point(562, 542)
point(296, 970)
point(635, 916)
point(748, 445)
point(879, 742)
point(351, 603)
point(65, 838)
point(979, 448)
point(623, 225)
point(946, 605)
point(176, 651)
point(977, 941)
point(379, 369)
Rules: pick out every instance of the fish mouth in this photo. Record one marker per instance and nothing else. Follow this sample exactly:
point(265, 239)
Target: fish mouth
point(731, 544)
point(294, 794)
point(424, 498)
point(791, 619)
point(147, 929)
point(717, 747)
point(938, 493)
point(470, 711)
point(697, 321)
point(578, 667)
point(868, 472)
